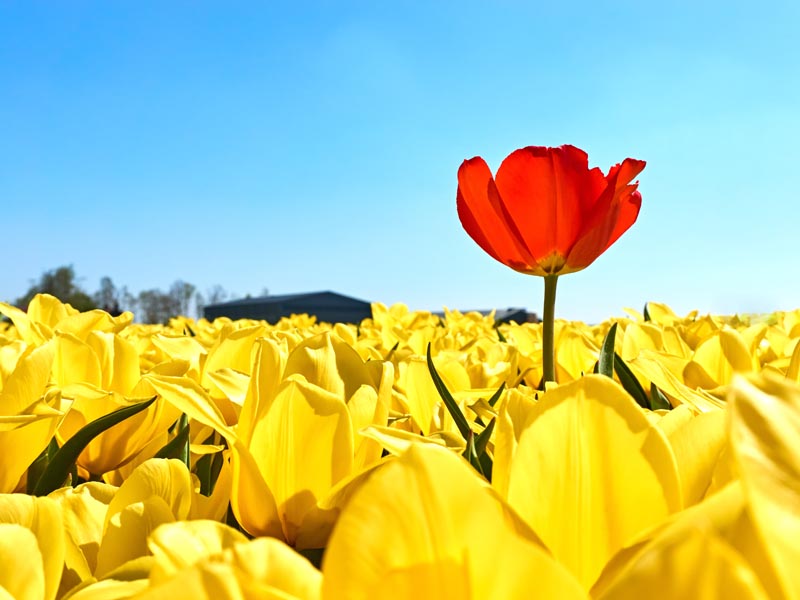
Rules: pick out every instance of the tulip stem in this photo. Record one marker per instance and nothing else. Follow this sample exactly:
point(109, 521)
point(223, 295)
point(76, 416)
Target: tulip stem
point(548, 320)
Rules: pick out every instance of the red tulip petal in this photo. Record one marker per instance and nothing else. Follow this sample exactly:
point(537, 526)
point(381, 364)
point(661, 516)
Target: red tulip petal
point(548, 193)
point(616, 210)
point(630, 200)
point(481, 215)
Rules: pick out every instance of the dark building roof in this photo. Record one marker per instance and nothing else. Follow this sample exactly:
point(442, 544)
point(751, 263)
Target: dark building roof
point(504, 315)
point(326, 306)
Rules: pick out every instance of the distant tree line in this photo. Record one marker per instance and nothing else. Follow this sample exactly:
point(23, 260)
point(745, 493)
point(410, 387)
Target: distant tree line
point(149, 306)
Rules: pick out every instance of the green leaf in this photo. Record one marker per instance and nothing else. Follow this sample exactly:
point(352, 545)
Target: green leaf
point(630, 383)
point(500, 335)
point(657, 399)
point(390, 354)
point(483, 438)
point(178, 447)
point(208, 467)
point(38, 466)
point(449, 401)
point(496, 396)
point(471, 453)
point(480, 449)
point(63, 462)
point(605, 364)
point(646, 312)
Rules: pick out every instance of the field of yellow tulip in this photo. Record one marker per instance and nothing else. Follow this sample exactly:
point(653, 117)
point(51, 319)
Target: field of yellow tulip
point(409, 456)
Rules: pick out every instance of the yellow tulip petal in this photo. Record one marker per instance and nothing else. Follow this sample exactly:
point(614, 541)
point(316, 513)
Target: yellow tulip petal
point(675, 419)
point(21, 572)
point(158, 491)
point(697, 445)
point(725, 514)
point(231, 383)
point(765, 438)
point(22, 322)
point(20, 446)
point(267, 374)
point(189, 397)
point(304, 446)
point(575, 355)
point(167, 479)
point(328, 362)
point(84, 513)
point(639, 336)
point(515, 414)
point(397, 441)
point(252, 501)
point(176, 546)
point(365, 409)
point(28, 381)
point(446, 535)
point(210, 581)
point(76, 362)
point(793, 370)
point(233, 350)
point(186, 348)
point(590, 472)
point(651, 367)
point(49, 310)
point(126, 533)
point(699, 566)
point(717, 357)
point(43, 517)
point(268, 568)
point(111, 590)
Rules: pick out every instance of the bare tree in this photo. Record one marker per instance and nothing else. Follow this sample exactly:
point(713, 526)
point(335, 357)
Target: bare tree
point(156, 306)
point(108, 297)
point(183, 294)
point(214, 295)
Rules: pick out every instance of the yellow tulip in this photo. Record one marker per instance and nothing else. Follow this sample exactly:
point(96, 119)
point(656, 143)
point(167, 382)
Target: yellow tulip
point(419, 395)
point(101, 373)
point(587, 473)
point(717, 357)
point(765, 437)
point(746, 530)
point(159, 491)
point(20, 579)
point(46, 315)
point(699, 565)
point(204, 559)
point(29, 413)
point(576, 352)
point(294, 445)
point(697, 442)
point(83, 511)
point(426, 525)
point(31, 547)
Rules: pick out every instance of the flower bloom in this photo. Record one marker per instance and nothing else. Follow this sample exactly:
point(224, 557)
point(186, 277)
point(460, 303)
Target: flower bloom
point(546, 212)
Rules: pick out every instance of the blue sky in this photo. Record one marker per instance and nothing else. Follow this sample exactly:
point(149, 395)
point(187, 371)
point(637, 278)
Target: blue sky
point(313, 146)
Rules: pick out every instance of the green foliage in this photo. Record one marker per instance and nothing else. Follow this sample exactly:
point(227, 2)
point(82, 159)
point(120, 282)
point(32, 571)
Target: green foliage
point(62, 463)
point(61, 283)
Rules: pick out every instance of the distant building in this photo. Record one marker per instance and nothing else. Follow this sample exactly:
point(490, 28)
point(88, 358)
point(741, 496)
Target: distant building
point(505, 315)
point(518, 315)
point(326, 306)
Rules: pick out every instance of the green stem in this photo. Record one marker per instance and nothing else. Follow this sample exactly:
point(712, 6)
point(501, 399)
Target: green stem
point(548, 320)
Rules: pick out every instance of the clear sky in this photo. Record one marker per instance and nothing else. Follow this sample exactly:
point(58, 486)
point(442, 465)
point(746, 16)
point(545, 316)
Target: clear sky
point(304, 146)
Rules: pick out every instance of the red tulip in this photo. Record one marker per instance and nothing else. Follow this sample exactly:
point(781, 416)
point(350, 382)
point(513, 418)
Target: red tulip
point(546, 212)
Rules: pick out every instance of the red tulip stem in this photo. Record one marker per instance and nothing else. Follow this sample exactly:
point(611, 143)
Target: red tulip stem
point(548, 321)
